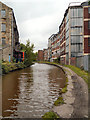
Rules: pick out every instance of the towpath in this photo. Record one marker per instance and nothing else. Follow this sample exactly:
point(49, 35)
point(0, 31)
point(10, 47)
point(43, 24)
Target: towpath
point(76, 98)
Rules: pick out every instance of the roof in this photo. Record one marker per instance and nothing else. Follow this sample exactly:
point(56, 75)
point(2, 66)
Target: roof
point(5, 5)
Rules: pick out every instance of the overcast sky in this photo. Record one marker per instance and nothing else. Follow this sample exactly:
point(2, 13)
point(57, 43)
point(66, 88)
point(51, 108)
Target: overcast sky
point(37, 20)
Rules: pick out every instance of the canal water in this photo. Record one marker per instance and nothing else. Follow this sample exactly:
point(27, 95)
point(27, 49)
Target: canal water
point(31, 92)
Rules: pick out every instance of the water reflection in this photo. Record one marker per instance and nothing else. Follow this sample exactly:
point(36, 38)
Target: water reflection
point(31, 92)
point(0, 96)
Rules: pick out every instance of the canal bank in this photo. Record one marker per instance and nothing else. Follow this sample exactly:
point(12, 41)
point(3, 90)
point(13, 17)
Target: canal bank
point(76, 97)
point(10, 67)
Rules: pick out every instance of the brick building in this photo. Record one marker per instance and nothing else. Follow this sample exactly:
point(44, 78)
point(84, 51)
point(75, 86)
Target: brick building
point(9, 36)
point(86, 35)
point(72, 42)
point(40, 55)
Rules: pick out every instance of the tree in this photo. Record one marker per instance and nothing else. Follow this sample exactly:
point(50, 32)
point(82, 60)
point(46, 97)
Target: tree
point(34, 56)
point(22, 46)
point(28, 53)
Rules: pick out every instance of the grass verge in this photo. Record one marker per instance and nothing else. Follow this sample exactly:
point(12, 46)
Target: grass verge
point(79, 72)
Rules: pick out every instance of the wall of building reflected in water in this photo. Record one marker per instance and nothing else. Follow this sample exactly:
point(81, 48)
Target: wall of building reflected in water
point(0, 96)
point(0, 81)
point(31, 92)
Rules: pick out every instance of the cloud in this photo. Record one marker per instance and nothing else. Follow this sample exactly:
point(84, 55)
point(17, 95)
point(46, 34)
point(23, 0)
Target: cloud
point(39, 29)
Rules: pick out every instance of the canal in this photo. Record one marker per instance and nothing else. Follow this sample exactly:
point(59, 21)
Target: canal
point(31, 92)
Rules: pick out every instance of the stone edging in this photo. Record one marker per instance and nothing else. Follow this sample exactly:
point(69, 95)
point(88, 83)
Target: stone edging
point(65, 110)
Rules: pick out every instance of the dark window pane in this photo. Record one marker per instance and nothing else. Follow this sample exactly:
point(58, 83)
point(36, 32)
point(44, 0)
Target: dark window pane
point(89, 10)
point(3, 13)
point(89, 24)
point(3, 27)
point(3, 41)
point(88, 41)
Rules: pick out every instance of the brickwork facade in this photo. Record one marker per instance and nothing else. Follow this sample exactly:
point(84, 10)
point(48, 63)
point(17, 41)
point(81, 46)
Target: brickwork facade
point(40, 55)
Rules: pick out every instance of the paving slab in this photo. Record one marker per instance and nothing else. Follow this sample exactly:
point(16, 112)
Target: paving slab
point(64, 111)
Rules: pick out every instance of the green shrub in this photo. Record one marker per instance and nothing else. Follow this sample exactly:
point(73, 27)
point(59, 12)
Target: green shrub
point(50, 115)
point(64, 90)
point(59, 101)
point(5, 69)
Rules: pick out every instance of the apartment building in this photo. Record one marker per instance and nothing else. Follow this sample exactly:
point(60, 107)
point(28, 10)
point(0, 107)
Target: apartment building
point(62, 31)
point(50, 48)
point(45, 53)
point(55, 46)
point(9, 36)
point(73, 38)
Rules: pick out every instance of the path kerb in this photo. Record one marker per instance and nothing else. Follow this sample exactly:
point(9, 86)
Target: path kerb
point(65, 110)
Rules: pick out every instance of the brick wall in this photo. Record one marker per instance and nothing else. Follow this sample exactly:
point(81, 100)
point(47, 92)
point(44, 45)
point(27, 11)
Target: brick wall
point(40, 55)
point(73, 61)
point(86, 47)
point(86, 30)
point(86, 15)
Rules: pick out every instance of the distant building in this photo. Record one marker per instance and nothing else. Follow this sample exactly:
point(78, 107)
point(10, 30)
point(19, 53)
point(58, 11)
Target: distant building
point(9, 36)
point(45, 52)
point(55, 42)
point(50, 40)
point(40, 55)
point(72, 42)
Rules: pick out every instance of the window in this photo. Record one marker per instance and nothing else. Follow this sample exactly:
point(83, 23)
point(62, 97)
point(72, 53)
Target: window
point(76, 47)
point(76, 39)
point(89, 24)
point(76, 31)
point(3, 41)
point(3, 27)
point(76, 22)
point(88, 41)
point(88, 2)
point(89, 10)
point(76, 12)
point(3, 13)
